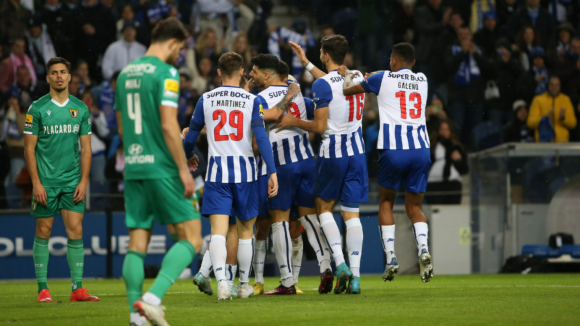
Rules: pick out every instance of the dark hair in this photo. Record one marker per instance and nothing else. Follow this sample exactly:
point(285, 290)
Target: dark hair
point(16, 39)
point(283, 69)
point(404, 52)
point(57, 60)
point(115, 75)
point(230, 62)
point(521, 43)
point(454, 138)
point(22, 67)
point(167, 29)
point(266, 62)
point(336, 46)
point(244, 80)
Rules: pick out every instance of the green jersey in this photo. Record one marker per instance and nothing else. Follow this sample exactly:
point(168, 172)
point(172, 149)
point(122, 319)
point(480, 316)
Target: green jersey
point(142, 87)
point(58, 127)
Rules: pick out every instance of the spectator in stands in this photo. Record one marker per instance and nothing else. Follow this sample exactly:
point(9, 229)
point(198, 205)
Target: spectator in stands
point(505, 10)
point(207, 46)
point(72, 5)
point(314, 54)
point(25, 89)
point(552, 110)
point(560, 46)
point(127, 15)
point(99, 134)
point(13, 20)
point(82, 71)
point(9, 65)
point(517, 131)
point(567, 67)
point(278, 44)
point(479, 9)
point(258, 33)
point(468, 69)
point(13, 127)
point(404, 22)
point(241, 46)
point(535, 81)
point(430, 22)
point(185, 104)
point(487, 36)
point(74, 85)
point(122, 52)
point(448, 163)
point(533, 15)
point(507, 72)
point(58, 21)
point(40, 46)
point(202, 76)
point(525, 41)
point(557, 10)
point(107, 103)
point(162, 10)
point(96, 30)
point(435, 112)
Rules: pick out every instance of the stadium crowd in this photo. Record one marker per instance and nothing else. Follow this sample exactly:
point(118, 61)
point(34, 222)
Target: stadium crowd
point(498, 70)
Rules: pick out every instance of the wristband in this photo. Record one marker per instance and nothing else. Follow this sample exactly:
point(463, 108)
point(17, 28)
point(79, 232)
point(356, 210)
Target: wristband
point(309, 66)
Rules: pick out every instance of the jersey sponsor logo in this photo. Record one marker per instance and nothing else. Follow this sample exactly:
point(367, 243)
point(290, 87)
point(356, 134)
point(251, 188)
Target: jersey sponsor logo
point(230, 94)
point(337, 79)
point(74, 113)
point(60, 129)
point(171, 88)
point(28, 122)
point(406, 77)
point(276, 94)
point(135, 157)
point(261, 112)
point(139, 69)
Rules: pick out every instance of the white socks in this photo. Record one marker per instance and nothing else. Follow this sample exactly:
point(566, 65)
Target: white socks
point(297, 253)
point(218, 254)
point(259, 258)
point(282, 248)
point(354, 243)
point(316, 240)
point(245, 256)
point(151, 298)
point(231, 274)
point(421, 231)
point(388, 237)
point(330, 229)
point(205, 268)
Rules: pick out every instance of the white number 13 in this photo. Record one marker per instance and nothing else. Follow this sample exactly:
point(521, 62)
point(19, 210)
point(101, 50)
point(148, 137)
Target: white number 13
point(134, 111)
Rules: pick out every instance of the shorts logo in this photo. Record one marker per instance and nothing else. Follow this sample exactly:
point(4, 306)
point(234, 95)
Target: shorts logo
point(261, 112)
point(33, 206)
point(135, 149)
point(74, 113)
point(28, 122)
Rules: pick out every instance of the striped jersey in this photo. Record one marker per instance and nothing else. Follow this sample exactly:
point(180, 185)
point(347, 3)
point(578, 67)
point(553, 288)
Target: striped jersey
point(402, 97)
point(289, 145)
point(229, 114)
point(343, 135)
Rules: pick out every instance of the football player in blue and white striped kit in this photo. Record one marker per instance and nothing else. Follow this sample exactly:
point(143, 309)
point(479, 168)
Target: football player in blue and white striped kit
point(404, 149)
point(232, 116)
point(296, 165)
point(341, 165)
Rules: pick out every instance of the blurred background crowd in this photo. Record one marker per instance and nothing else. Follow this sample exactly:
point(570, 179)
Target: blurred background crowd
point(498, 70)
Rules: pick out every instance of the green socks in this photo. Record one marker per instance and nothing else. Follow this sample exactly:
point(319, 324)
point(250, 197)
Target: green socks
point(133, 273)
point(40, 257)
point(75, 256)
point(174, 262)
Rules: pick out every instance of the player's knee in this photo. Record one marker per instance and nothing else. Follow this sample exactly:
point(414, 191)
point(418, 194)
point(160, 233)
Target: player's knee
point(196, 242)
point(412, 209)
point(75, 231)
point(43, 230)
point(295, 230)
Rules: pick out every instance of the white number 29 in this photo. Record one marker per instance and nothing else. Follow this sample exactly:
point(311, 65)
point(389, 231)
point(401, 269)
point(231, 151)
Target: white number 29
point(134, 111)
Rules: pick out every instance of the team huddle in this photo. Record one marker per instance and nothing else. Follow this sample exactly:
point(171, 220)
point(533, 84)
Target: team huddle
point(261, 169)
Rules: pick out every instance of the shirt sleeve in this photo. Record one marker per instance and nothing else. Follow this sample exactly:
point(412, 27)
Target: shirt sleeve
point(32, 123)
point(322, 93)
point(169, 88)
point(310, 107)
point(85, 122)
point(373, 83)
point(195, 127)
point(258, 112)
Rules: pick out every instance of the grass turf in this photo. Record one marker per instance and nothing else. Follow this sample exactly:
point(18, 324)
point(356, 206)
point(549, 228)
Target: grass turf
point(448, 300)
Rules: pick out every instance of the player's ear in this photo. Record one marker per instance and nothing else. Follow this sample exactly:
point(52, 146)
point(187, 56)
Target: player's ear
point(219, 72)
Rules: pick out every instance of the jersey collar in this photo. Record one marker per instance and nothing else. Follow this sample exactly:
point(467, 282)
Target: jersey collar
point(61, 105)
point(404, 69)
point(277, 86)
point(230, 86)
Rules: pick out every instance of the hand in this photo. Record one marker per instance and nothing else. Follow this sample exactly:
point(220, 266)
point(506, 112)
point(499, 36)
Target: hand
point(293, 89)
point(193, 163)
point(455, 155)
point(540, 77)
point(81, 191)
point(39, 194)
point(89, 29)
point(343, 71)
point(184, 132)
point(562, 114)
point(273, 185)
point(188, 183)
point(299, 53)
point(286, 121)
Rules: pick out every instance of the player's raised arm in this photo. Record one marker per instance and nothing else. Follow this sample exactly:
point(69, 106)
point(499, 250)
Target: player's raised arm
point(264, 145)
point(276, 112)
point(317, 73)
point(323, 95)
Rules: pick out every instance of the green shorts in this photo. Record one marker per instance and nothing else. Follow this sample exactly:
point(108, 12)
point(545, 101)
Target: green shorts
point(156, 199)
point(57, 198)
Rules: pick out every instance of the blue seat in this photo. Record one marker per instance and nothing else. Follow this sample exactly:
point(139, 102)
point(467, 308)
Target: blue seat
point(572, 250)
point(541, 251)
point(486, 135)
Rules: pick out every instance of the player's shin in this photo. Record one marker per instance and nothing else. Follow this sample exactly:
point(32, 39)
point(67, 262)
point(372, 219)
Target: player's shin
point(421, 231)
point(297, 253)
point(245, 257)
point(40, 256)
point(205, 268)
point(282, 247)
point(259, 258)
point(76, 257)
point(316, 240)
point(354, 241)
point(388, 237)
point(174, 262)
point(330, 229)
point(133, 274)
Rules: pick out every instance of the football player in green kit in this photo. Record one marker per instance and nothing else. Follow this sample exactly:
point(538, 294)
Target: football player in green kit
point(52, 130)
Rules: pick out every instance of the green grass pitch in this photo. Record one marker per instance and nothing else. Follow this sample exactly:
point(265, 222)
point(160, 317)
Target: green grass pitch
point(447, 300)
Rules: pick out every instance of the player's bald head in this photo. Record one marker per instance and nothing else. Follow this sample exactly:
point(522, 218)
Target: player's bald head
point(404, 52)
